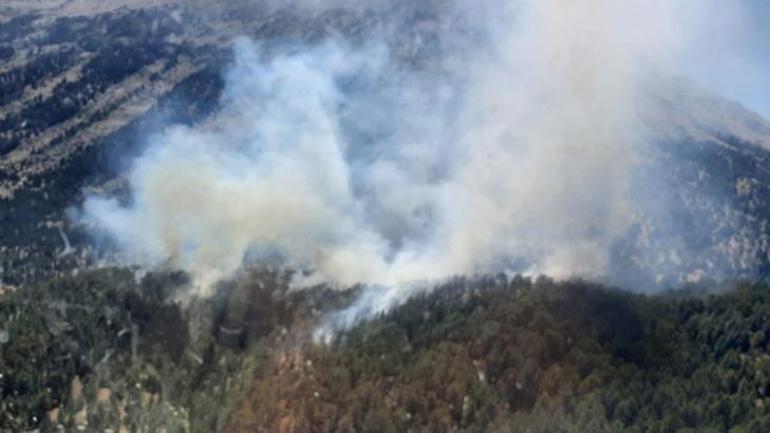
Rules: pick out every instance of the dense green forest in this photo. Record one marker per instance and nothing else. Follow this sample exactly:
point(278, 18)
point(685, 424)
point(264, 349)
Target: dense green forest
point(113, 349)
point(533, 357)
point(105, 350)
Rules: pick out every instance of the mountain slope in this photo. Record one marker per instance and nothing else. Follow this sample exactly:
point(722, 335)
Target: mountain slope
point(481, 356)
point(83, 91)
point(83, 84)
point(87, 83)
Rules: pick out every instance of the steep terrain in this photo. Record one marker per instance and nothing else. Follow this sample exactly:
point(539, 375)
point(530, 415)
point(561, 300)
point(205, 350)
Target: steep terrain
point(523, 356)
point(112, 350)
point(88, 346)
point(84, 85)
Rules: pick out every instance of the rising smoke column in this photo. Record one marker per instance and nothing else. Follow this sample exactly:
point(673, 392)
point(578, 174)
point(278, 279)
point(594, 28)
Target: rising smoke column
point(510, 147)
point(273, 179)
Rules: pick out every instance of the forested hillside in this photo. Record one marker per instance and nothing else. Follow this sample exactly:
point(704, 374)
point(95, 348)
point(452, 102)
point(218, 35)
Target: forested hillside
point(97, 337)
point(481, 356)
point(105, 350)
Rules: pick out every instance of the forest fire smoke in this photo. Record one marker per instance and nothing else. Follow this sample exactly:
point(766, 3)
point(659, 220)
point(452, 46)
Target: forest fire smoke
point(509, 150)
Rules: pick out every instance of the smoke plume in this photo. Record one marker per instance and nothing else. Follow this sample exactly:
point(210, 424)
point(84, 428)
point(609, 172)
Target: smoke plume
point(493, 136)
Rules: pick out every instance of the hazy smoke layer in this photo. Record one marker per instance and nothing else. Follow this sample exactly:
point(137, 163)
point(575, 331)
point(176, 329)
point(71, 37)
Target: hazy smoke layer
point(507, 141)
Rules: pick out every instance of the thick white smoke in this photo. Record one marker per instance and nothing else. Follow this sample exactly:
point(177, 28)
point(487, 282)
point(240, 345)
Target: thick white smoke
point(512, 150)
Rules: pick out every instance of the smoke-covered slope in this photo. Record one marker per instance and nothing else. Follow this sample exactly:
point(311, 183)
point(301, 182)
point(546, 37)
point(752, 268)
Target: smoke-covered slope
point(706, 182)
point(86, 90)
point(84, 84)
point(373, 142)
